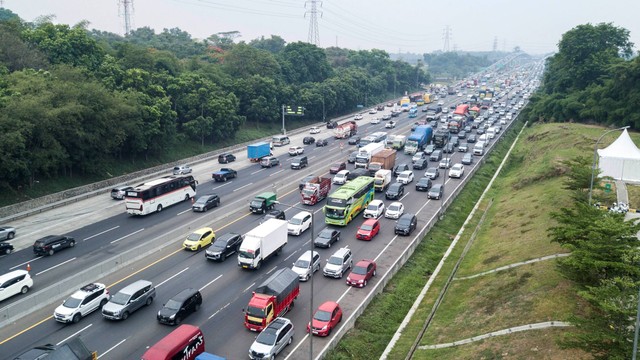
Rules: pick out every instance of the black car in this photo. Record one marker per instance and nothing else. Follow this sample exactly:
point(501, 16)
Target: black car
point(352, 157)
point(454, 140)
point(206, 202)
point(462, 134)
point(424, 184)
point(180, 306)
point(429, 149)
point(274, 214)
point(48, 245)
point(224, 246)
point(326, 238)
point(471, 138)
point(308, 140)
point(420, 163)
point(5, 248)
point(436, 192)
point(406, 224)
point(322, 142)
point(436, 155)
point(400, 168)
point(226, 158)
point(357, 173)
point(354, 140)
point(432, 173)
point(332, 124)
point(481, 130)
point(395, 191)
point(305, 180)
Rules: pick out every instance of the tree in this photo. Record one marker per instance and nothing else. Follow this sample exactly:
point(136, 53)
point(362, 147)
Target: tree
point(274, 44)
point(245, 61)
point(303, 62)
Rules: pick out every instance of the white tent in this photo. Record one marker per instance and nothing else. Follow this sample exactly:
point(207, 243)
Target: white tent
point(621, 159)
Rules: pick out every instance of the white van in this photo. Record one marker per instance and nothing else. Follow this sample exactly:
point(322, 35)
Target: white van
point(491, 132)
point(483, 138)
point(478, 148)
point(280, 140)
point(15, 282)
point(341, 177)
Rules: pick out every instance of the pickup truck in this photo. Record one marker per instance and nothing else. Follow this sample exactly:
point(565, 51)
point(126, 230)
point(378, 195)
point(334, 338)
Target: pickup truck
point(224, 174)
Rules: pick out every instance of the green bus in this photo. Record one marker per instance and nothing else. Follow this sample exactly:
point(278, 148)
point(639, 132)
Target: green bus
point(348, 201)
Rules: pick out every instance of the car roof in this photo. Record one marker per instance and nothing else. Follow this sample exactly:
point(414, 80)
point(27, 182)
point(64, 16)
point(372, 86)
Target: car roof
point(202, 230)
point(184, 294)
point(376, 201)
point(436, 186)
point(364, 262)
point(407, 172)
point(328, 306)
point(301, 214)
point(370, 221)
point(343, 172)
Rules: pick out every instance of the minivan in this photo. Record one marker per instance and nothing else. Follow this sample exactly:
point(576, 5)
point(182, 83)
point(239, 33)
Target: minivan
point(307, 264)
point(269, 161)
point(178, 307)
point(48, 245)
point(338, 263)
point(131, 298)
point(15, 282)
point(478, 148)
point(299, 162)
point(280, 140)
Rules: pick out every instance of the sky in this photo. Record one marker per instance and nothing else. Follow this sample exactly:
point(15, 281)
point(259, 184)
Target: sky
point(397, 26)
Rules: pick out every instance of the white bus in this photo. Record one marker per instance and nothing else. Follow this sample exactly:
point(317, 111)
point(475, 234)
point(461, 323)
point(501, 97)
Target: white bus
point(155, 195)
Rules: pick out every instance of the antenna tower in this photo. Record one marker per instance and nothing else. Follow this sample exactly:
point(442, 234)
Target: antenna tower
point(314, 34)
point(126, 12)
point(446, 35)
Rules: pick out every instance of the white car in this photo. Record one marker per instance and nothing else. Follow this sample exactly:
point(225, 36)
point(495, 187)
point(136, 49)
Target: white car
point(394, 211)
point(405, 177)
point(359, 117)
point(375, 121)
point(296, 150)
point(299, 223)
point(314, 130)
point(341, 177)
point(303, 266)
point(445, 163)
point(373, 111)
point(419, 155)
point(445, 110)
point(15, 282)
point(456, 171)
point(390, 125)
point(89, 298)
point(374, 210)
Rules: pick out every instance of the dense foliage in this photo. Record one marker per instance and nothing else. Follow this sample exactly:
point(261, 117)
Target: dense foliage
point(592, 78)
point(455, 65)
point(73, 100)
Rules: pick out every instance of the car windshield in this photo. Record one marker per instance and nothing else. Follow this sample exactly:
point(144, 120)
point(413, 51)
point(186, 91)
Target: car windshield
point(335, 260)
point(373, 207)
point(302, 263)
point(404, 221)
point(322, 315)
point(172, 305)
point(394, 187)
point(295, 221)
point(366, 227)
point(120, 298)
point(360, 270)
point(194, 237)
point(394, 207)
point(325, 234)
point(72, 303)
point(219, 244)
point(202, 200)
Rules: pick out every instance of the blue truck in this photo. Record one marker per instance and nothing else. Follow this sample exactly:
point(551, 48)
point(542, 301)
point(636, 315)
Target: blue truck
point(258, 150)
point(418, 139)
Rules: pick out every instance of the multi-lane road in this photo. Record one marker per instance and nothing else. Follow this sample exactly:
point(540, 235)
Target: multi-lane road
point(104, 231)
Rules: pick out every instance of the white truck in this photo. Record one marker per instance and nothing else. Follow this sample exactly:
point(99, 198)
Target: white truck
point(382, 179)
point(365, 153)
point(262, 242)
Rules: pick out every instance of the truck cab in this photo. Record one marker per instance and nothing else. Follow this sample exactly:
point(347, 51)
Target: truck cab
point(262, 202)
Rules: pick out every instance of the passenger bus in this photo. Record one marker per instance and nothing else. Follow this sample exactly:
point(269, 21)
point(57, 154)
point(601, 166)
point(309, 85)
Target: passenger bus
point(347, 202)
point(155, 195)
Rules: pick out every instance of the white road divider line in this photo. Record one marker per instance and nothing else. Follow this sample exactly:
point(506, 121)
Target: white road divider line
point(225, 184)
point(171, 277)
point(74, 334)
point(111, 348)
point(210, 282)
point(255, 172)
point(248, 287)
point(126, 236)
point(242, 187)
point(184, 212)
point(277, 172)
point(215, 313)
point(55, 266)
point(100, 233)
point(26, 262)
point(272, 270)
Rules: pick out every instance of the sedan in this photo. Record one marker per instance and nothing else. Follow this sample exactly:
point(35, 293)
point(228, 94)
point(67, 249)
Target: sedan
point(471, 139)
point(420, 164)
point(354, 140)
point(457, 170)
point(400, 168)
point(436, 192)
point(206, 202)
point(419, 155)
point(373, 111)
point(314, 130)
point(395, 191)
point(405, 177)
point(322, 142)
point(390, 125)
point(386, 117)
point(296, 150)
point(337, 167)
point(375, 121)
point(227, 245)
point(327, 317)
point(327, 237)
point(429, 149)
point(352, 157)
point(358, 117)
point(362, 272)
point(394, 211)
point(424, 184)
point(7, 232)
point(463, 147)
point(308, 140)
point(198, 239)
point(432, 173)
point(5, 248)
point(445, 163)
point(368, 230)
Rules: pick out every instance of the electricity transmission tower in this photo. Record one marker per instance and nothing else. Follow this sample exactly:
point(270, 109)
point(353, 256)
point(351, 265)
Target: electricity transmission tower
point(446, 35)
point(314, 34)
point(495, 44)
point(126, 12)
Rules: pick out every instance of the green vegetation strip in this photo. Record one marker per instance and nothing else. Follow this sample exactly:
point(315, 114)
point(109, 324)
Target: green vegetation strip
point(375, 328)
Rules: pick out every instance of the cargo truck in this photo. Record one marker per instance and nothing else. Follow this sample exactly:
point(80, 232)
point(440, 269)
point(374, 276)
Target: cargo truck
point(397, 142)
point(440, 138)
point(419, 138)
point(271, 299)
point(258, 150)
point(263, 202)
point(382, 179)
point(345, 130)
point(314, 192)
point(262, 242)
point(383, 159)
point(365, 154)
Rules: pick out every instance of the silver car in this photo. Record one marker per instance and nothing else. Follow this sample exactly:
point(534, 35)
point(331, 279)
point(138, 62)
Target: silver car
point(273, 339)
point(129, 299)
point(303, 266)
point(7, 232)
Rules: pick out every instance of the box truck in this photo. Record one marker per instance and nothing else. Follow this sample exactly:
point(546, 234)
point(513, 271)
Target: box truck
point(264, 241)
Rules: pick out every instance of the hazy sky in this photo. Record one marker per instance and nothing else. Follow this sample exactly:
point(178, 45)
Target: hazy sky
point(398, 25)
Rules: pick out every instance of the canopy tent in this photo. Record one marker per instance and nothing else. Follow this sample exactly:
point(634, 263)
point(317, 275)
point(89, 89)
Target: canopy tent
point(621, 159)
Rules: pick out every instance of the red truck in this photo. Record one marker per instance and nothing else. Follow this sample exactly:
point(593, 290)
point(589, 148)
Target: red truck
point(315, 191)
point(272, 299)
point(345, 130)
point(185, 342)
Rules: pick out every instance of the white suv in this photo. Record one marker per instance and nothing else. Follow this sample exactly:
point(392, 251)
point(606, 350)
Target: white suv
point(299, 223)
point(374, 210)
point(89, 298)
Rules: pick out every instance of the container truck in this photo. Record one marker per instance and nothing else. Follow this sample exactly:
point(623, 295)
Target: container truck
point(263, 202)
point(365, 154)
point(271, 299)
point(418, 139)
point(382, 179)
point(397, 142)
point(345, 130)
point(314, 192)
point(262, 242)
point(258, 150)
point(383, 159)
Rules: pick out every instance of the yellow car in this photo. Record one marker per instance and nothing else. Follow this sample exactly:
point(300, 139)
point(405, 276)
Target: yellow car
point(199, 239)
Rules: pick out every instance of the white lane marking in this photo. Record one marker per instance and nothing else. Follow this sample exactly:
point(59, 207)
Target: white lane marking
point(184, 212)
point(100, 233)
point(55, 266)
point(111, 348)
point(26, 262)
point(74, 334)
point(242, 187)
point(249, 287)
point(277, 172)
point(255, 172)
point(210, 282)
point(293, 253)
point(225, 184)
point(171, 277)
point(272, 269)
point(126, 236)
point(313, 157)
point(405, 195)
point(215, 313)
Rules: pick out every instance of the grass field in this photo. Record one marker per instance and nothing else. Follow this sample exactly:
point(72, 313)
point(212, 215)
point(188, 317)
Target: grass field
point(515, 230)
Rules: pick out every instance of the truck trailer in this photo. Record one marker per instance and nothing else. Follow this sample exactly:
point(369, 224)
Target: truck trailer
point(314, 192)
point(258, 150)
point(271, 299)
point(383, 159)
point(365, 154)
point(345, 130)
point(262, 242)
point(419, 138)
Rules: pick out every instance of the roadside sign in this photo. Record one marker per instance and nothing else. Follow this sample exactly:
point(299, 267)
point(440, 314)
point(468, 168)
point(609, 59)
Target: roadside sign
point(607, 187)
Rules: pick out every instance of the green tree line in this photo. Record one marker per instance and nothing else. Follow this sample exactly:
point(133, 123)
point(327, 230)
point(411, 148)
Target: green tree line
point(74, 100)
point(456, 65)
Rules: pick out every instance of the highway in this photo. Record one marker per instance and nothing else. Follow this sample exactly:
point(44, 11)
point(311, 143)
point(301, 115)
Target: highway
point(103, 231)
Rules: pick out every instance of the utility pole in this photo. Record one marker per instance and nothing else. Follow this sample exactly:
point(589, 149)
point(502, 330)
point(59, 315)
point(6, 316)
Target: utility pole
point(126, 13)
point(314, 34)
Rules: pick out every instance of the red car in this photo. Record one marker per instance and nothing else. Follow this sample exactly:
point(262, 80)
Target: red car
point(335, 168)
point(326, 318)
point(368, 229)
point(361, 273)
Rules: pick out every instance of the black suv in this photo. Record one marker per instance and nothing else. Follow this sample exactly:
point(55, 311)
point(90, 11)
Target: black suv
point(395, 191)
point(308, 140)
point(180, 306)
point(332, 124)
point(226, 158)
point(406, 224)
point(224, 246)
point(322, 142)
point(48, 245)
point(274, 214)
